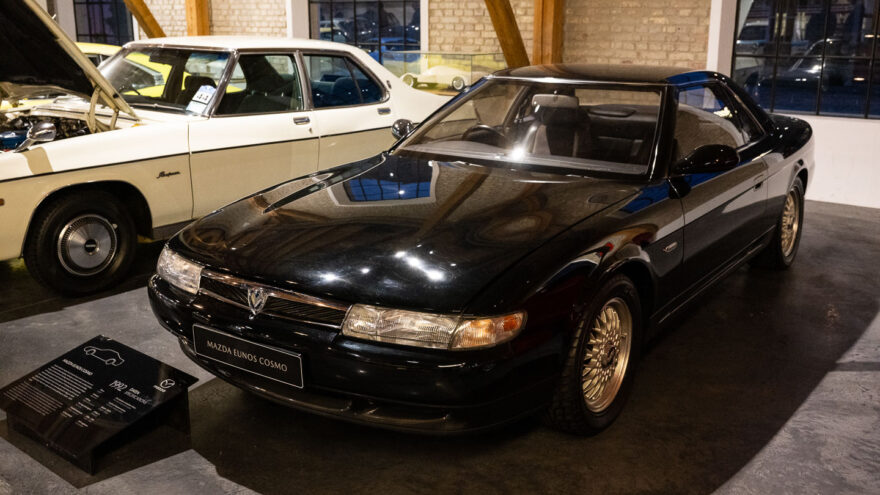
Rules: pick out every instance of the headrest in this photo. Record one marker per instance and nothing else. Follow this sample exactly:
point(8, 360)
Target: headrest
point(556, 109)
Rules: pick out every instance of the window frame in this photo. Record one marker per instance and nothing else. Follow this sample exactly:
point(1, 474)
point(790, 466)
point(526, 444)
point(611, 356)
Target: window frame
point(740, 111)
point(386, 95)
point(230, 69)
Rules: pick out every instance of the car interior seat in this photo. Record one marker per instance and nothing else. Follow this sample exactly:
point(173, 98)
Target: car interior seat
point(191, 86)
point(558, 125)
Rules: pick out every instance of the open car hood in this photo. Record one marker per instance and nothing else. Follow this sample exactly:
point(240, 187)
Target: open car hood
point(37, 59)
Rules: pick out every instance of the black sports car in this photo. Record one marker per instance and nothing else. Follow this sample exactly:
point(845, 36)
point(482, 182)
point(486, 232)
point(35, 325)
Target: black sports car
point(510, 255)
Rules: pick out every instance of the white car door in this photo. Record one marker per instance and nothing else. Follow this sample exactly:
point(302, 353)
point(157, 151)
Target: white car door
point(259, 135)
point(352, 108)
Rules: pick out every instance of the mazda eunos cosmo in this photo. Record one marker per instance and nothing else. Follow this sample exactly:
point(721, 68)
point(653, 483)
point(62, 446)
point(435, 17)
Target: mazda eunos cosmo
point(218, 118)
point(512, 254)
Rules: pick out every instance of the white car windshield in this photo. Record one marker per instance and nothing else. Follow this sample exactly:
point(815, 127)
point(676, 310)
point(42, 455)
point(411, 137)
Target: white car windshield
point(605, 128)
point(167, 79)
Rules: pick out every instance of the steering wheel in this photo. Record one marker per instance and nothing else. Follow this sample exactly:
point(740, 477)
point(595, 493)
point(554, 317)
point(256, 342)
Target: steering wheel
point(486, 134)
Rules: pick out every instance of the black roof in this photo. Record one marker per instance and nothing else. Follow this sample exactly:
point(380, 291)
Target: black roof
point(610, 73)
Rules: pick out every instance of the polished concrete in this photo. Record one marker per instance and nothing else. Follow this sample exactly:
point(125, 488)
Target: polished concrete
point(771, 385)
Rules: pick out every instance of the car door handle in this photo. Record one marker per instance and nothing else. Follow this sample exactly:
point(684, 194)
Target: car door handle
point(383, 110)
point(301, 120)
point(759, 181)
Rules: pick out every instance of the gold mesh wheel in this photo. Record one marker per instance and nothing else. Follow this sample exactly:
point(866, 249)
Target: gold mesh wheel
point(607, 354)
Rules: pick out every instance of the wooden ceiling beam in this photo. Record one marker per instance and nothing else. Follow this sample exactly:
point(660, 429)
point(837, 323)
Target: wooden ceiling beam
point(547, 47)
point(145, 18)
point(508, 33)
point(198, 20)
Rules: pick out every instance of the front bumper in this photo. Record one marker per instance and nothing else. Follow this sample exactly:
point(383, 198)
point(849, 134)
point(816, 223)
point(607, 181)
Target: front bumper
point(382, 385)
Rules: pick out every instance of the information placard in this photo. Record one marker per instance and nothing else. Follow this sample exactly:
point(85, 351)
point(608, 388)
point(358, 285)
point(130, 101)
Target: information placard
point(91, 395)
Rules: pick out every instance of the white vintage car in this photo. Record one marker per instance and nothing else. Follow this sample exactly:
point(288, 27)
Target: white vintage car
point(169, 130)
point(442, 76)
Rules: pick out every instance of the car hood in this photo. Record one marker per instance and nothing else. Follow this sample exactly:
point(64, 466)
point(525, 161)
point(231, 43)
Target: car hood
point(38, 59)
point(396, 231)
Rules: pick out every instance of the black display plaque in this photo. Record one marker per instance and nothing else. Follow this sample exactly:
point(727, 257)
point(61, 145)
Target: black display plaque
point(93, 397)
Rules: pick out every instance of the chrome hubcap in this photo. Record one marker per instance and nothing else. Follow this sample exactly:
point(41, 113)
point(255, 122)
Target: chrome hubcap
point(87, 244)
point(607, 355)
point(790, 223)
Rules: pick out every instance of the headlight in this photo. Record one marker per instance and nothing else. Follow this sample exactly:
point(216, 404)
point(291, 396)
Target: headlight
point(178, 271)
point(429, 330)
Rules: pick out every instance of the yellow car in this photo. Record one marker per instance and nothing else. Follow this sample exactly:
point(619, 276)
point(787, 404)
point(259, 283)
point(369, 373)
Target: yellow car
point(97, 52)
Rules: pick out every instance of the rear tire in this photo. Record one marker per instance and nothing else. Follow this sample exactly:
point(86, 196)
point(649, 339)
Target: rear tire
point(81, 243)
point(783, 247)
point(598, 373)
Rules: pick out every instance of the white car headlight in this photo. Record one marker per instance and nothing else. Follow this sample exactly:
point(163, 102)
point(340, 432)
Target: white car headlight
point(179, 271)
point(429, 330)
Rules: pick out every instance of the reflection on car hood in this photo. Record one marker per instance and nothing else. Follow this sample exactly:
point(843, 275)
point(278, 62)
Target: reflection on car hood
point(394, 230)
point(35, 52)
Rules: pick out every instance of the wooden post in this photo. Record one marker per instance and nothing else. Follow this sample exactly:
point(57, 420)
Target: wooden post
point(145, 18)
point(508, 33)
point(547, 48)
point(198, 21)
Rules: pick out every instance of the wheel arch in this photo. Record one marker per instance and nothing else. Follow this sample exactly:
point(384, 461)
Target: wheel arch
point(803, 174)
point(637, 270)
point(130, 196)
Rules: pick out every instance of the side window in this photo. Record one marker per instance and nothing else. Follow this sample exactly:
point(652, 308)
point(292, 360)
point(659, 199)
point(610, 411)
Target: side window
point(337, 82)
point(705, 116)
point(370, 90)
point(262, 84)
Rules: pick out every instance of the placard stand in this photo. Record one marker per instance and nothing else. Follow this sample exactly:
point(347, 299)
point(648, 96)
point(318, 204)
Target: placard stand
point(95, 399)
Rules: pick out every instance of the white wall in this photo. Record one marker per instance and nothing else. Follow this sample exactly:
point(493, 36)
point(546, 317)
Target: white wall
point(847, 149)
point(847, 161)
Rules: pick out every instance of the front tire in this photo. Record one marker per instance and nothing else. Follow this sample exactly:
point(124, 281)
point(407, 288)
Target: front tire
point(783, 247)
point(81, 243)
point(598, 373)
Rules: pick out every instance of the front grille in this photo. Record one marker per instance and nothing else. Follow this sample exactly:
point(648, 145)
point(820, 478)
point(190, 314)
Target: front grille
point(279, 303)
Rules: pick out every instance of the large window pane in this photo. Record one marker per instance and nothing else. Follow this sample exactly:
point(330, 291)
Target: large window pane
point(796, 84)
point(850, 28)
point(844, 87)
point(801, 27)
point(755, 75)
point(379, 27)
point(874, 108)
point(755, 33)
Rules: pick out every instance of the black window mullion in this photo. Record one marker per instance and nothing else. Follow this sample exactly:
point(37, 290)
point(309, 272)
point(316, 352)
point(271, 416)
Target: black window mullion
point(822, 59)
point(871, 64)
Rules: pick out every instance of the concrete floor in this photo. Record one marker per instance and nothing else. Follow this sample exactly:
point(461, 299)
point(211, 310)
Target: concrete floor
point(772, 385)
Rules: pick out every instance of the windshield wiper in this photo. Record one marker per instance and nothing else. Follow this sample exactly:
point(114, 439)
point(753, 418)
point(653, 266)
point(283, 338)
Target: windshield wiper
point(158, 106)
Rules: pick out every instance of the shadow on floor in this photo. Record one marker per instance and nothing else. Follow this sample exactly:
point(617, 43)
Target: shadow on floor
point(27, 298)
point(711, 393)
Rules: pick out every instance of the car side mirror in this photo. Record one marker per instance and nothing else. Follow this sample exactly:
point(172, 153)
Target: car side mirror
point(402, 128)
point(41, 132)
point(707, 159)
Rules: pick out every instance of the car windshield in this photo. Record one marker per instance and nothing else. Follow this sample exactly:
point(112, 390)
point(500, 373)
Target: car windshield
point(607, 128)
point(167, 79)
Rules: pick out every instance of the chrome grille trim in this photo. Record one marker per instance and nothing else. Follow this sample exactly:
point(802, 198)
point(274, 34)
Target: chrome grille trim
point(281, 303)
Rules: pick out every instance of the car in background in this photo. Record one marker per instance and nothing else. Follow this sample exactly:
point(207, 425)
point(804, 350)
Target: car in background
point(442, 76)
point(513, 254)
point(167, 131)
point(97, 53)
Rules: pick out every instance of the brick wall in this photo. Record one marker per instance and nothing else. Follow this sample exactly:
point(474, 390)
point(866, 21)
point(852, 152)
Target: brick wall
point(656, 32)
point(253, 17)
point(170, 14)
point(228, 17)
point(465, 26)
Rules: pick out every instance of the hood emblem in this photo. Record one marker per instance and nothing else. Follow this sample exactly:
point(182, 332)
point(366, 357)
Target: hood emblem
point(256, 298)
